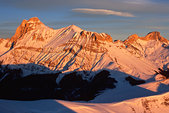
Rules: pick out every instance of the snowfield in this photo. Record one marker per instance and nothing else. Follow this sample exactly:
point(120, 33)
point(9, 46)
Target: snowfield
point(152, 104)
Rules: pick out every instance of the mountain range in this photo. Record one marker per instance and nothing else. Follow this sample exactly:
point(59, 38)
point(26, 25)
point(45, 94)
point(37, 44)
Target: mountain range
point(72, 48)
point(118, 68)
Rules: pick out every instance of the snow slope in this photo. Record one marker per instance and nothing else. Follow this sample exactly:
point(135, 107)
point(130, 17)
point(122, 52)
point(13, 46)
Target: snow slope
point(152, 104)
point(153, 47)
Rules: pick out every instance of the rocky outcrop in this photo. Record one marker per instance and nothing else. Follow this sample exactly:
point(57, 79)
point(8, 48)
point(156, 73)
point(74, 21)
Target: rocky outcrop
point(131, 39)
point(144, 46)
point(25, 26)
point(150, 36)
point(97, 37)
point(155, 36)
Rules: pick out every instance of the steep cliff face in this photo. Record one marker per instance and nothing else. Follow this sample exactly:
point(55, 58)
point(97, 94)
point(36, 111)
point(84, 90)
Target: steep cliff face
point(25, 27)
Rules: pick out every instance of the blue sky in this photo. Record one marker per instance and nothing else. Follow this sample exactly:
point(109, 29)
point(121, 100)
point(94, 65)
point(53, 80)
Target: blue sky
point(119, 18)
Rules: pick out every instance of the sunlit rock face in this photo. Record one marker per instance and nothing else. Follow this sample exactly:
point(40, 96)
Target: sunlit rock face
point(150, 36)
point(155, 36)
point(25, 26)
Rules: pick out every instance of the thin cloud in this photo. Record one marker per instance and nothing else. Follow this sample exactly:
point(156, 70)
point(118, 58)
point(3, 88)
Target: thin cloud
point(132, 6)
point(158, 27)
point(137, 2)
point(102, 12)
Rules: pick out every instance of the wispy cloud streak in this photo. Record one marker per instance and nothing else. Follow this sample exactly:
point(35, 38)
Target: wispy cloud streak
point(102, 12)
point(158, 27)
point(137, 2)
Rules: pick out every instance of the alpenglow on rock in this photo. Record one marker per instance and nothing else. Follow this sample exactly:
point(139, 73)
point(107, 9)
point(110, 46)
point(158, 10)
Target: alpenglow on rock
point(74, 49)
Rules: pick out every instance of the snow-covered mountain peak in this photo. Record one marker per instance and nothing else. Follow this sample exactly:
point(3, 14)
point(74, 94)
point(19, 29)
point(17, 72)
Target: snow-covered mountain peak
point(153, 46)
point(75, 28)
point(152, 36)
point(34, 23)
point(25, 27)
point(155, 36)
point(134, 36)
point(34, 20)
point(131, 39)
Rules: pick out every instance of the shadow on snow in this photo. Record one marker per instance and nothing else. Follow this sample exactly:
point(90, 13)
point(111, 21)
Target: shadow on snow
point(73, 86)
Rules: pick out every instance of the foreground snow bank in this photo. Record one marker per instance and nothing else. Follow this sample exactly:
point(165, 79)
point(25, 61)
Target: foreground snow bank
point(152, 104)
point(40, 106)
